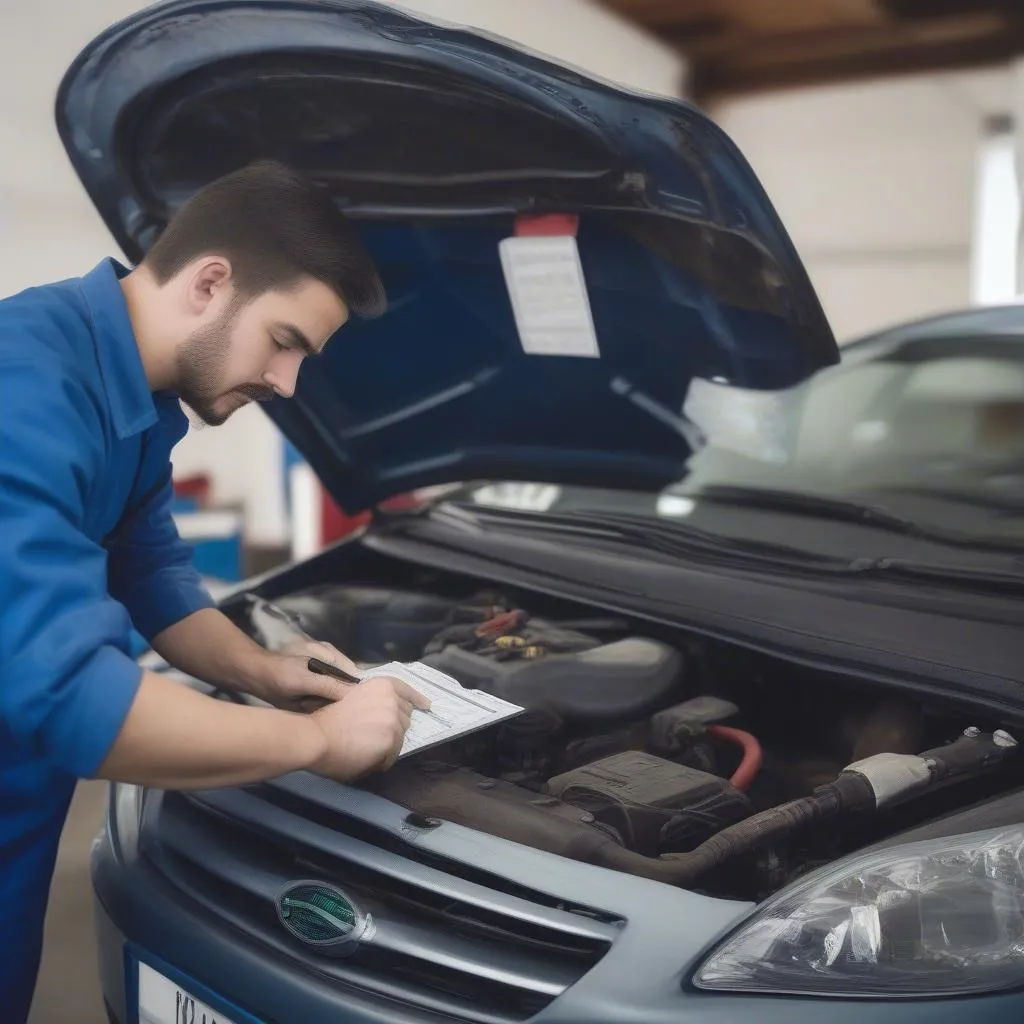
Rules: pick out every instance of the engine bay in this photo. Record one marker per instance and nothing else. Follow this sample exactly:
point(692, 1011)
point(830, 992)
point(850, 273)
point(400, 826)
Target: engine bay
point(650, 750)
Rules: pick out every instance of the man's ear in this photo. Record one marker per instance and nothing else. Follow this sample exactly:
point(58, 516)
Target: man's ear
point(208, 281)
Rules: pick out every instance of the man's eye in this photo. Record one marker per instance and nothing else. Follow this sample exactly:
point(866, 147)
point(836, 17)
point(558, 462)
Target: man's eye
point(280, 346)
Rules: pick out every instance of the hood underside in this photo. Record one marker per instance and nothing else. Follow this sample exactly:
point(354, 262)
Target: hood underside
point(438, 142)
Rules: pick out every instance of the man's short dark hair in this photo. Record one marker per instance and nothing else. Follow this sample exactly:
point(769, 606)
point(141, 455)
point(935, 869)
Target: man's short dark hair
point(275, 226)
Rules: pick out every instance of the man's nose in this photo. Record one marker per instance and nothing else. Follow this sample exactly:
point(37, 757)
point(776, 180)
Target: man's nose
point(283, 373)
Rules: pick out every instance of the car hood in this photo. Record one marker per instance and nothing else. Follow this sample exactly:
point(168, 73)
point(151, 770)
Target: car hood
point(441, 144)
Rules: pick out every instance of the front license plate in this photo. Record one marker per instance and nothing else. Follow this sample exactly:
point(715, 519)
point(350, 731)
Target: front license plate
point(162, 1001)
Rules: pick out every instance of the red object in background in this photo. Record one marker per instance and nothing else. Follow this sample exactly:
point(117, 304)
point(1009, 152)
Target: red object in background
point(196, 488)
point(336, 524)
point(547, 225)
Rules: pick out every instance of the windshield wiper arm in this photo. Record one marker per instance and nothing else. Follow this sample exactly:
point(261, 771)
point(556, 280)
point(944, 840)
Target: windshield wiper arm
point(844, 510)
point(783, 556)
point(680, 540)
point(1007, 506)
point(986, 580)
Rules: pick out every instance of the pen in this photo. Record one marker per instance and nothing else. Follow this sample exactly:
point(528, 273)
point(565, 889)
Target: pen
point(324, 668)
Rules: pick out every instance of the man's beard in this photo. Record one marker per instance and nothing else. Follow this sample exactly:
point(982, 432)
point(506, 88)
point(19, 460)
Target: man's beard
point(200, 374)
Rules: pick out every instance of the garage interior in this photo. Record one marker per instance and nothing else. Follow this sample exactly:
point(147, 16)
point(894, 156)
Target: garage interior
point(888, 133)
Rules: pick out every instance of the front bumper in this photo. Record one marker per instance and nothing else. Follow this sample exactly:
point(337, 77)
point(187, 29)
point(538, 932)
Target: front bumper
point(140, 917)
point(642, 979)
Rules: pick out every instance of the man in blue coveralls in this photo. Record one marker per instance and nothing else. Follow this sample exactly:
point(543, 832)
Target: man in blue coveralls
point(256, 272)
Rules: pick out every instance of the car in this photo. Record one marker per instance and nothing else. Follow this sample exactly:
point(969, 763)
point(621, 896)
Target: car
point(766, 766)
point(925, 419)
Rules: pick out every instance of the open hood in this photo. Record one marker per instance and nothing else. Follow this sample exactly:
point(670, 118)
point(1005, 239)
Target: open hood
point(438, 141)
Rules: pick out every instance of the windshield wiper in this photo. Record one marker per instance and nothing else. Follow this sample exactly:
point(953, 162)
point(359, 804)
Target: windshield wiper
point(987, 580)
point(1006, 506)
point(843, 510)
point(682, 540)
point(678, 536)
point(669, 538)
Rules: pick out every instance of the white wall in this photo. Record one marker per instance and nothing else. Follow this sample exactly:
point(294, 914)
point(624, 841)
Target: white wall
point(48, 229)
point(875, 182)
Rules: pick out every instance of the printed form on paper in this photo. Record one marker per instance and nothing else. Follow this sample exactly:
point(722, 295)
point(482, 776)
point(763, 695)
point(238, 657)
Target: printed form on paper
point(454, 710)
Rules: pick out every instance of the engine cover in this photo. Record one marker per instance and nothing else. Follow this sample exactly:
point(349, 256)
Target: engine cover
point(654, 806)
point(608, 683)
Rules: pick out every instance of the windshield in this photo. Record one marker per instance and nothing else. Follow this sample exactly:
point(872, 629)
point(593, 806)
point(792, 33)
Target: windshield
point(930, 429)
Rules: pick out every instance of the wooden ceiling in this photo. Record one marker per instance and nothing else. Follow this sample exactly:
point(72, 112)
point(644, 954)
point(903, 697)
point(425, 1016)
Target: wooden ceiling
point(744, 46)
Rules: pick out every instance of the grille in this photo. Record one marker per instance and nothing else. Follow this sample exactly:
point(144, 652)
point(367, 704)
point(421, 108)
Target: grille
point(450, 940)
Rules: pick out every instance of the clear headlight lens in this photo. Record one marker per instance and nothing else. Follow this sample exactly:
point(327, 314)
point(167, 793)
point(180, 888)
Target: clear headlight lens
point(941, 917)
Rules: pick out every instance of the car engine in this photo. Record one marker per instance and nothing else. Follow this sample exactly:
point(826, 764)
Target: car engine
point(651, 752)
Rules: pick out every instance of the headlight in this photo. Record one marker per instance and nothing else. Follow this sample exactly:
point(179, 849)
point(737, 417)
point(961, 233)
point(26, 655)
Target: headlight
point(126, 807)
point(942, 917)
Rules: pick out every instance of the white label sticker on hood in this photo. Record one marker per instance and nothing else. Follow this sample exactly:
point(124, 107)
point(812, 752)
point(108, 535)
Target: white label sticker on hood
point(549, 296)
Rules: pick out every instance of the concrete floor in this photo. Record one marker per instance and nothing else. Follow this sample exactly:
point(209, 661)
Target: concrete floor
point(68, 991)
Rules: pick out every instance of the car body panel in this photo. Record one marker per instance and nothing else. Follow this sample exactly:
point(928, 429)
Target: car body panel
point(643, 979)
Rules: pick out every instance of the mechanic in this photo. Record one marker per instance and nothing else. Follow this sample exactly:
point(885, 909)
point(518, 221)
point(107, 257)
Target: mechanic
point(255, 273)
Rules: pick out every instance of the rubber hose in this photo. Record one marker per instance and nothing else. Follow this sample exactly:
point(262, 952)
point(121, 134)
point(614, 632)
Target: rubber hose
point(849, 792)
point(752, 754)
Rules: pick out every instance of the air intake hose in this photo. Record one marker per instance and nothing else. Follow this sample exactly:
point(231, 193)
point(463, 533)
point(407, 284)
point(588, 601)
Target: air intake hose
point(862, 787)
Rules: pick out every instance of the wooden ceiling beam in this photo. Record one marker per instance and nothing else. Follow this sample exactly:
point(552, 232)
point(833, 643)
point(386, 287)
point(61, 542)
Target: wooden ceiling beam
point(777, 16)
point(666, 14)
point(837, 43)
point(753, 15)
point(743, 46)
point(734, 65)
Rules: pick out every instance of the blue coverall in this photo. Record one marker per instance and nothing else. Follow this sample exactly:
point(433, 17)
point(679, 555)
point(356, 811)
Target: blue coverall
point(88, 549)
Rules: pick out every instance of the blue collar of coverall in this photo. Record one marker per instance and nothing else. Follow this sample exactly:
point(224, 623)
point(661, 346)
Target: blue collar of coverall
point(132, 407)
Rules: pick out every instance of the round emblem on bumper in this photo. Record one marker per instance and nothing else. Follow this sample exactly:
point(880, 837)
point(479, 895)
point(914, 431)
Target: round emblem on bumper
point(323, 916)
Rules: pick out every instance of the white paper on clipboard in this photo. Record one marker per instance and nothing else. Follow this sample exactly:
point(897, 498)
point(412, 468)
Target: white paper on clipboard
point(454, 710)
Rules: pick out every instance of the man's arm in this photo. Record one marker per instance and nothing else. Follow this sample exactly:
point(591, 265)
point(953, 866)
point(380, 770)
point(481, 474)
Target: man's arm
point(151, 571)
point(209, 646)
point(69, 693)
point(66, 682)
point(152, 574)
point(176, 738)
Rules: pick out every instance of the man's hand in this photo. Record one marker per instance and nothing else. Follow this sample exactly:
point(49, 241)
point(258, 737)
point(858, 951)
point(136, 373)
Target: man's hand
point(285, 681)
point(209, 646)
point(365, 733)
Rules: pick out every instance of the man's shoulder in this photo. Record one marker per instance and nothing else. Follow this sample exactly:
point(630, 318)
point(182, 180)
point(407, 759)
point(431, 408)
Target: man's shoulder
point(47, 357)
point(49, 323)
